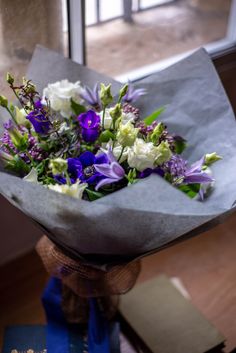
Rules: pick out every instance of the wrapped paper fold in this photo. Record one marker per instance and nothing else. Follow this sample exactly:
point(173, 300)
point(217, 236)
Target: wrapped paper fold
point(151, 213)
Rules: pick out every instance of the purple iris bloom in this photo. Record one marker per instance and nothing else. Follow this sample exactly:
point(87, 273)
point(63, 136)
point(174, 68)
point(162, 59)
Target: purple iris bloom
point(90, 123)
point(91, 96)
point(112, 171)
point(133, 94)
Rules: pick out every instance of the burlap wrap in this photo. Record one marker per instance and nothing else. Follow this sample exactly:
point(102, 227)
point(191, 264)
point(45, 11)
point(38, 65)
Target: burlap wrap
point(82, 281)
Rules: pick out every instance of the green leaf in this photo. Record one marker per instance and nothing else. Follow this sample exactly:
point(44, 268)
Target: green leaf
point(77, 108)
point(180, 146)
point(152, 117)
point(93, 195)
point(191, 189)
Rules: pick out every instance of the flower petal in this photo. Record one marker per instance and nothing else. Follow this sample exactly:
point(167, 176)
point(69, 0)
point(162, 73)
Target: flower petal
point(105, 181)
point(87, 158)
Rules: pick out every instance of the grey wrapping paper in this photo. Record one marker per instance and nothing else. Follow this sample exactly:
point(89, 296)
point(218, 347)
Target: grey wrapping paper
point(152, 213)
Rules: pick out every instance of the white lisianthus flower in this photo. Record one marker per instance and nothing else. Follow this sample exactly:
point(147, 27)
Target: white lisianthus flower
point(127, 134)
point(142, 155)
point(60, 94)
point(125, 117)
point(75, 190)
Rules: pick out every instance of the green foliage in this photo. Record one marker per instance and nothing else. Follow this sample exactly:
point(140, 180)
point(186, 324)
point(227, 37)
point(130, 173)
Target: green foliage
point(77, 108)
point(93, 195)
point(180, 145)
point(152, 117)
point(191, 189)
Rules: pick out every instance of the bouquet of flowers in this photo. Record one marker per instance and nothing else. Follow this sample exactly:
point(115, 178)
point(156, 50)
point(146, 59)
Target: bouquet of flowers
point(106, 143)
point(75, 140)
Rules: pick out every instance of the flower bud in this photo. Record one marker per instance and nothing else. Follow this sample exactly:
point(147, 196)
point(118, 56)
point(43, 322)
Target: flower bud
point(127, 134)
point(106, 136)
point(163, 153)
point(58, 166)
point(6, 157)
point(123, 91)
point(19, 141)
point(3, 101)
point(20, 117)
point(211, 158)
point(158, 130)
point(10, 79)
point(105, 95)
point(116, 112)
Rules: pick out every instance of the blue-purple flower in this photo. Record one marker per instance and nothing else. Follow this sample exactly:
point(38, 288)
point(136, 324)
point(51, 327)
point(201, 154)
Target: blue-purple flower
point(112, 171)
point(91, 96)
point(39, 119)
point(132, 95)
point(90, 124)
point(83, 168)
point(182, 174)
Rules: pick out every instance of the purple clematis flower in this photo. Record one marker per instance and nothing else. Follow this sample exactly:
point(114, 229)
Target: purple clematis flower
point(38, 118)
point(90, 123)
point(183, 174)
point(112, 171)
point(133, 94)
point(91, 96)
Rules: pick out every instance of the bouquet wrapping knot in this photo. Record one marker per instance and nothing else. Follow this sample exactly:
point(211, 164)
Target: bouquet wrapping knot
point(83, 281)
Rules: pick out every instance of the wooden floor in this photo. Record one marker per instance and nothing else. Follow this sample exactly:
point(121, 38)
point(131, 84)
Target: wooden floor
point(206, 265)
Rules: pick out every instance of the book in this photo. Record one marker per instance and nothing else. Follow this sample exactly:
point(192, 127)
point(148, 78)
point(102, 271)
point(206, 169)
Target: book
point(33, 337)
point(157, 315)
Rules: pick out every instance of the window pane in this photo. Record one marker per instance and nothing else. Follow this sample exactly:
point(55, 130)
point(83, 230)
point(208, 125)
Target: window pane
point(25, 23)
point(156, 33)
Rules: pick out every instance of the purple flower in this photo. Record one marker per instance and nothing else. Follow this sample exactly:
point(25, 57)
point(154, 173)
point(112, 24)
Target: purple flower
point(38, 105)
point(194, 174)
point(83, 168)
point(182, 174)
point(112, 171)
point(133, 94)
point(147, 172)
point(38, 118)
point(91, 96)
point(90, 123)
point(8, 124)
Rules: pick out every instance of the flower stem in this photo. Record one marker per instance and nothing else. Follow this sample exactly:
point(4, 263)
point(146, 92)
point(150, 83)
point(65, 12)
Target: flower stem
point(12, 115)
point(68, 181)
point(103, 116)
point(121, 153)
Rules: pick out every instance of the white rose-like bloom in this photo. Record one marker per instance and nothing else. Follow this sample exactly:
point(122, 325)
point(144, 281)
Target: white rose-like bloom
point(127, 134)
point(108, 119)
point(142, 155)
point(60, 94)
point(75, 190)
